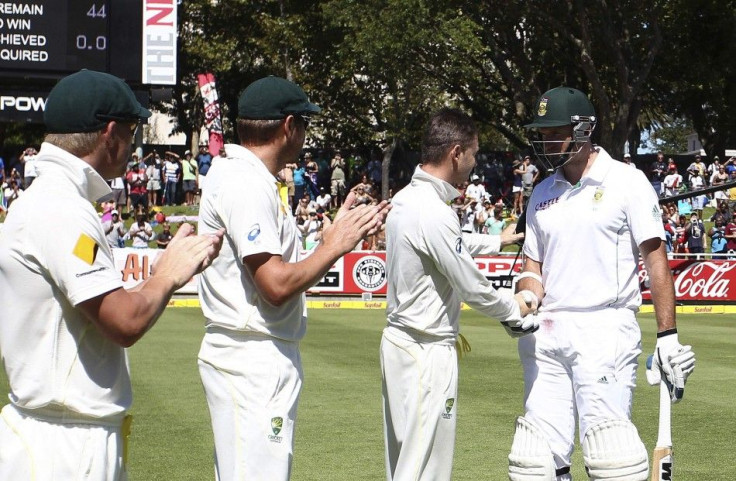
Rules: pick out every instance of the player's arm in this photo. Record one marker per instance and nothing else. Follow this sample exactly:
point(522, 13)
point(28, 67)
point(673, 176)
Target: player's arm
point(278, 281)
point(445, 246)
point(125, 315)
point(654, 255)
point(530, 279)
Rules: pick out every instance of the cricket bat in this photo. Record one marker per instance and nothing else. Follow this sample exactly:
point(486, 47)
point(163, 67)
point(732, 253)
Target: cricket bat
point(662, 457)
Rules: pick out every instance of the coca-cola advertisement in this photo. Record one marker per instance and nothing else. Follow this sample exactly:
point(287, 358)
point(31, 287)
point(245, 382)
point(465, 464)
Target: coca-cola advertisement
point(698, 280)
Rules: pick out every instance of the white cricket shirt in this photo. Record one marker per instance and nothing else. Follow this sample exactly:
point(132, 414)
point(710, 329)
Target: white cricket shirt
point(429, 264)
point(587, 235)
point(242, 196)
point(54, 255)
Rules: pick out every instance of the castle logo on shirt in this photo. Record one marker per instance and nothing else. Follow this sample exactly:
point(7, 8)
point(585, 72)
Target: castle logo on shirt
point(448, 408)
point(86, 249)
point(370, 273)
point(546, 204)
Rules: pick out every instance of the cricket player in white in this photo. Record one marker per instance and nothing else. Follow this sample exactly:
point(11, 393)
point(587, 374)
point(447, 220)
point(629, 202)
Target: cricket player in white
point(253, 295)
point(586, 225)
point(66, 318)
point(430, 270)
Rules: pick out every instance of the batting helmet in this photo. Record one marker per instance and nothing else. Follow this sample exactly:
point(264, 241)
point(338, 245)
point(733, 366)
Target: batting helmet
point(559, 107)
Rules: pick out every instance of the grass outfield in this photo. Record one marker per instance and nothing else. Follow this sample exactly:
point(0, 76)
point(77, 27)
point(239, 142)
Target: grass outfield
point(339, 430)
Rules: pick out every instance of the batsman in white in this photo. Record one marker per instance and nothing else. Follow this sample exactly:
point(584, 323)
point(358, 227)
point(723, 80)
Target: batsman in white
point(253, 295)
point(430, 270)
point(587, 223)
point(66, 318)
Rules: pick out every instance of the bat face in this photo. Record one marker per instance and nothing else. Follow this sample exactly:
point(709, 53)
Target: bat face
point(662, 462)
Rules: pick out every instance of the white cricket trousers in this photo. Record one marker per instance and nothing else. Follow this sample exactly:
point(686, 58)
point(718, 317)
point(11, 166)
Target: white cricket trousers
point(579, 364)
point(252, 385)
point(32, 449)
point(420, 376)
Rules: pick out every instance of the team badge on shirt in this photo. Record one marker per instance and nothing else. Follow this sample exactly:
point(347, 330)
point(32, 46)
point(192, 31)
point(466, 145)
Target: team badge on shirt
point(86, 249)
point(598, 194)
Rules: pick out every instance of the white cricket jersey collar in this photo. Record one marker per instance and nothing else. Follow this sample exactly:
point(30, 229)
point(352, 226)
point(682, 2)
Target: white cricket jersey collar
point(54, 160)
point(240, 152)
point(444, 189)
point(596, 174)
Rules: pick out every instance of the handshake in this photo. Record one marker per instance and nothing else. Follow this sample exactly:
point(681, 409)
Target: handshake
point(524, 320)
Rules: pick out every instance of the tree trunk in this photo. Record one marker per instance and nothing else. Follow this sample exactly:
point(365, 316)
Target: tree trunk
point(388, 152)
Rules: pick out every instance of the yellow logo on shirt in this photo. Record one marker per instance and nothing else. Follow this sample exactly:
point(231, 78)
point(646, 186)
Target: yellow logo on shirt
point(542, 108)
point(598, 194)
point(86, 249)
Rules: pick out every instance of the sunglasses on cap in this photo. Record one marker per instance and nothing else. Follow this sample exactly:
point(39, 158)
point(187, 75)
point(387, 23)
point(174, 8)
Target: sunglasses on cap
point(134, 122)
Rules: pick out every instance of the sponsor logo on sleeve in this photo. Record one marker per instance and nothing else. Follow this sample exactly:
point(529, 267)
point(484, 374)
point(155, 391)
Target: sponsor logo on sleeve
point(86, 249)
point(459, 245)
point(254, 232)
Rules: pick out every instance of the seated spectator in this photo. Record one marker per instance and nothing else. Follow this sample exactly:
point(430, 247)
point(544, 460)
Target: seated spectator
point(310, 229)
point(163, 239)
point(11, 193)
point(114, 230)
point(717, 234)
point(361, 195)
point(141, 232)
point(323, 200)
point(495, 224)
point(302, 208)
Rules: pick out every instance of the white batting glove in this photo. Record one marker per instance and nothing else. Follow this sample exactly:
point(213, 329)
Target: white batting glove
point(673, 361)
point(517, 326)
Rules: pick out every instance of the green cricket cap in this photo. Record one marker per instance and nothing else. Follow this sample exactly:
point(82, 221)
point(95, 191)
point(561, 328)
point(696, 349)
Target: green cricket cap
point(273, 98)
point(558, 106)
point(87, 100)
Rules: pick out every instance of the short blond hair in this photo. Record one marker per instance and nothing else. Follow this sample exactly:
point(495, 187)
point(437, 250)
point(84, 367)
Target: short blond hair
point(78, 144)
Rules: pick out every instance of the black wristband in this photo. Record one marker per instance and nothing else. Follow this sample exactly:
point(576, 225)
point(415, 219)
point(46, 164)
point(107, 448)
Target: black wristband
point(667, 332)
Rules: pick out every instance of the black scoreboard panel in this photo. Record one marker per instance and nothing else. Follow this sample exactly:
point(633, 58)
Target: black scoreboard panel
point(52, 38)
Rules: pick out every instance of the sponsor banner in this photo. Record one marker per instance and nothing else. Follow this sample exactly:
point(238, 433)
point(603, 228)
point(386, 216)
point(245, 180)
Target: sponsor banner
point(698, 280)
point(22, 106)
point(359, 273)
point(134, 266)
point(362, 272)
point(212, 117)
point(159, 42)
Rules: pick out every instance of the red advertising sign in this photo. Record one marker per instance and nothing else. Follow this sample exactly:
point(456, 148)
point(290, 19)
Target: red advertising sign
point(698, 280)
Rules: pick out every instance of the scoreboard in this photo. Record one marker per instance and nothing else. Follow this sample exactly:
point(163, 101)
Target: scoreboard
point(133, 39)
point(42, 41)
point(54, 35)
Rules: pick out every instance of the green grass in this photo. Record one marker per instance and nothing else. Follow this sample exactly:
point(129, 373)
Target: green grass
point(339, 431)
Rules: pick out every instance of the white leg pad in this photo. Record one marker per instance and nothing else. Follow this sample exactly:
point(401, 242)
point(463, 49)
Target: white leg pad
point(531, 458)
point(613, 451)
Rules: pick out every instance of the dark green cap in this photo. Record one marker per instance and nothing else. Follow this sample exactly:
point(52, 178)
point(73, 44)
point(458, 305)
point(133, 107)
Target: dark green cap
point(273, 98)
point(558, 106)
point(87, 100)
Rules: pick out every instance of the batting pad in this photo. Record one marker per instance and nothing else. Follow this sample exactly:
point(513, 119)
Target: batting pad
point(613, 451)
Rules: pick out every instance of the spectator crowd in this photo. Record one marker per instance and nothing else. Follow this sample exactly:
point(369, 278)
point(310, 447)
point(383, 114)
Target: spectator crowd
point(316, 186)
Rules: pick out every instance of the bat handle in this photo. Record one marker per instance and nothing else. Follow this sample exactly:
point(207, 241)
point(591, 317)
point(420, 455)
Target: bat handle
point(664, 436)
